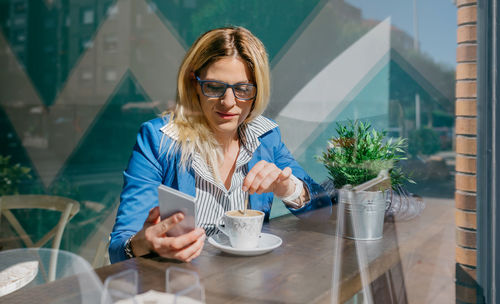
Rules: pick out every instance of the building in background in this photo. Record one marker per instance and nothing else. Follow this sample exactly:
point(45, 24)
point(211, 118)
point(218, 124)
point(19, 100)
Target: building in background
point(78, 78)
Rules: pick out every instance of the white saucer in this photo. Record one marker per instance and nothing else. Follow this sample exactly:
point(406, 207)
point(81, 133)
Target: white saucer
point(267, 243)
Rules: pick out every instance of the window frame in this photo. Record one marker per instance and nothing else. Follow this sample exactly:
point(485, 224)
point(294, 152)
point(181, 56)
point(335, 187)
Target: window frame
point(488, 156)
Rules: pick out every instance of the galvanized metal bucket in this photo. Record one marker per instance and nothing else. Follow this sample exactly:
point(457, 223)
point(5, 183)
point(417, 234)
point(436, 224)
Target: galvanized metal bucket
point(363, 214)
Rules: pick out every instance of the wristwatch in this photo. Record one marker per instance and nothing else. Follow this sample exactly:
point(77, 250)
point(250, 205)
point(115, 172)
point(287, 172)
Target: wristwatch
point(128, 248)
point(291, 199)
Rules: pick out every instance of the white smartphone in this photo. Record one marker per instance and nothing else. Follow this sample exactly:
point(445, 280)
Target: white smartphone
point(172, 201)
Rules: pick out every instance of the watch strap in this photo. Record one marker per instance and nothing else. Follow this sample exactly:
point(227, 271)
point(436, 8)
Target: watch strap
point(128, 248)
point(292, 198)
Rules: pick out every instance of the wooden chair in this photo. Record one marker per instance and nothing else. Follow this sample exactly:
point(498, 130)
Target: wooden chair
point(68, 208)
point(101, 257)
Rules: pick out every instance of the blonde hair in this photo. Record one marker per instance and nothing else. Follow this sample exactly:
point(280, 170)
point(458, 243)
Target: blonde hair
point(194, 133)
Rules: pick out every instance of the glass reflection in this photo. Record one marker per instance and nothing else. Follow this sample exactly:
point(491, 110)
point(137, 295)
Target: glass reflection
point(78, 78)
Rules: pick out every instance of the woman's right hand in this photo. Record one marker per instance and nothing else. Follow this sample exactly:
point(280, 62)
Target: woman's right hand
point(152, 238)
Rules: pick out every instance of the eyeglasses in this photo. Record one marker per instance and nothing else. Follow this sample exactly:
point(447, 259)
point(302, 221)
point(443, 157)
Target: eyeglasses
point(217, 89)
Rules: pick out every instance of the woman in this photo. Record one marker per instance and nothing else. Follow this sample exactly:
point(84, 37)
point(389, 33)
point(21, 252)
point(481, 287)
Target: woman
point(215, 146)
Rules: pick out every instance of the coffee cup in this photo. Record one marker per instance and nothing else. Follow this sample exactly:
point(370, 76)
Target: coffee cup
point(243, 229)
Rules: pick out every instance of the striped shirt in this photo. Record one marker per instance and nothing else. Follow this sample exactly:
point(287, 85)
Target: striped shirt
point(212, 197)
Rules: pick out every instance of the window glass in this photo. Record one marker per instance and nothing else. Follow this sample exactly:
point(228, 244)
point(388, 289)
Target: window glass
point(78, 86)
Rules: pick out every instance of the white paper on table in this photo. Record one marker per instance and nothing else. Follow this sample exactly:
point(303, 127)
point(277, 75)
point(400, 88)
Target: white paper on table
point(17, 276)
point(153, 296)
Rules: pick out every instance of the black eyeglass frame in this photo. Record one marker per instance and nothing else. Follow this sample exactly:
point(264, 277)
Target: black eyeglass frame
point(226, 85)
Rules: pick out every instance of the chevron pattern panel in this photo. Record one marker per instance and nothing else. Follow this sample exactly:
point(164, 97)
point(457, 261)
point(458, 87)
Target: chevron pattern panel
point(78, 77)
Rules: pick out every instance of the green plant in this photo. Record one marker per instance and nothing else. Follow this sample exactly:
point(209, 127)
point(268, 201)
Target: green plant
point(11, 176)
point(360, 152)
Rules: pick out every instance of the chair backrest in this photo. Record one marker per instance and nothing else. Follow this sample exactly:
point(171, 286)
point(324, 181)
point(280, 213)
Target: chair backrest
point(68, 208)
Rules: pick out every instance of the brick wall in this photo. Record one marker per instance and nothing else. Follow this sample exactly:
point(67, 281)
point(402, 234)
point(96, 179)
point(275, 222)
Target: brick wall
point(466, 147)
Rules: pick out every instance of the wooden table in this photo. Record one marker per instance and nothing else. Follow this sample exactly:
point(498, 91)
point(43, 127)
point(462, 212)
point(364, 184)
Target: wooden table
point(299, 271)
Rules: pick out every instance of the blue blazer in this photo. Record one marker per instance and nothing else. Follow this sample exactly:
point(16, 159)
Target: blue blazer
point(149, 166)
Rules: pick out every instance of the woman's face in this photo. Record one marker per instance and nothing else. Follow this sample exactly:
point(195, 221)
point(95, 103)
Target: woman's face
point(225, 114)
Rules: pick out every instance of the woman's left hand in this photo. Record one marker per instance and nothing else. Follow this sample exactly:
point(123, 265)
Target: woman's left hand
point(266, 177)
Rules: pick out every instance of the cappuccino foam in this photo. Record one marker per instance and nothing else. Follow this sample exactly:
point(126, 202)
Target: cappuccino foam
point(249, 213)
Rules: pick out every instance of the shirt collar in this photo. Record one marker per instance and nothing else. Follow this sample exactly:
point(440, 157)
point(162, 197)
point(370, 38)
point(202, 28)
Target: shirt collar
point(249, 133)
point(170, 130)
